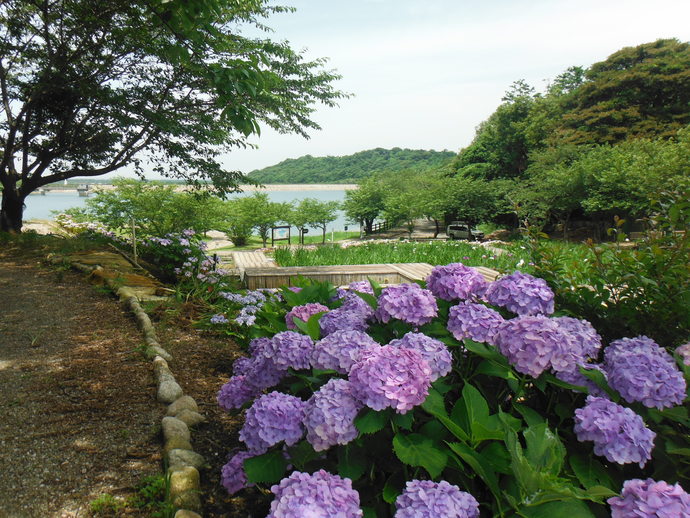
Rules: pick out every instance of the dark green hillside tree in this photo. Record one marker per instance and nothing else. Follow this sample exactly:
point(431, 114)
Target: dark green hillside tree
point(641, 91)
point(90, 86)
point(500, 148)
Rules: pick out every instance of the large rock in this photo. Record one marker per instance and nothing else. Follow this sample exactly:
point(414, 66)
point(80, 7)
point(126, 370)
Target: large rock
point(173, 427)
point(183, 403)
point(169, 390)
point(190, 418)
point(178, 458)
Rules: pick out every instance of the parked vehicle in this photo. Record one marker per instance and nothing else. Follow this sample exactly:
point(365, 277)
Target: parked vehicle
point(462, 230)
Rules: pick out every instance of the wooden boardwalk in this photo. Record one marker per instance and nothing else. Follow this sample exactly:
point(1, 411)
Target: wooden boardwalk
point(257, 273)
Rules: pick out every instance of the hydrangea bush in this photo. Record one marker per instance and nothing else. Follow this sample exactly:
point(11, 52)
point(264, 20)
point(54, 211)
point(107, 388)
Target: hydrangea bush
point(466, 399)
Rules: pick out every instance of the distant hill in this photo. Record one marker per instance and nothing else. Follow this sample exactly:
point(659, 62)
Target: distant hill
point(350, 168)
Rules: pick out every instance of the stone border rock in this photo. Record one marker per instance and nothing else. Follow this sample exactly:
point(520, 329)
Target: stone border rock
point(183, 463)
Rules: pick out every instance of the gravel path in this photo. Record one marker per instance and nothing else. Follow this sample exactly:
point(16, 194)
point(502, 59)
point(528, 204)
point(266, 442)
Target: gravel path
point(78, 417)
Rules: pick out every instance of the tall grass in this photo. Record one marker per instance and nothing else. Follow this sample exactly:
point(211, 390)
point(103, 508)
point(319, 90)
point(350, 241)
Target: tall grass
point(471, 254)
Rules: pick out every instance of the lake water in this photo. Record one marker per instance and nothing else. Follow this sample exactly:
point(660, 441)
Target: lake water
point(45, 207)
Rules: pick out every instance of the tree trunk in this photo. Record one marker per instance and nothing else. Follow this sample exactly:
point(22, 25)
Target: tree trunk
point(437, 231)
point(11, 211)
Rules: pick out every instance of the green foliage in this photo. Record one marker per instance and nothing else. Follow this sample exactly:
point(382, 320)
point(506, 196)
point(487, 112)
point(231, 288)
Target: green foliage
point(403, 252)
point(641, 91)
point(365, 204)
point(176, 81)
point(156, 209)
point(645, 289)
point(310, 212)
point(351, 168)
point(504, 437)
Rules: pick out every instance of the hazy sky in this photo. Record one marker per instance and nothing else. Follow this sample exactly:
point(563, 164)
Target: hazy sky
point(425, 73)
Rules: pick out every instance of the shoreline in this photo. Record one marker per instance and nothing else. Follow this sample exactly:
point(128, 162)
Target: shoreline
point(276, 187)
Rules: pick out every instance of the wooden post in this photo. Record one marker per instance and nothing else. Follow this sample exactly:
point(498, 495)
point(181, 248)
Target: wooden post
point(134, 241)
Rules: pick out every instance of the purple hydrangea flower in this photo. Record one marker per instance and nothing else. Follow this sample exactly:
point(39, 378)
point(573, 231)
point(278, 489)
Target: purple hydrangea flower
point(342, 319)
point(274, 417)
point(650, 498)
point(290, 349)
point(456, 281)
point(618, 433)
point(433, 351)
point(522, 294)
point(428, 499)
point(684, 352)
point(219, 319)
point(354, 302)
point(390, 377)
point(320, 495)
point(532, 344)
point(340, 350)
point(236, 392)
point(303, 313)
point(407, 302)
point(257, 345)
point(261, 372)
point(232, 475)
point(330, 415)
point(361, 286)
point(474, 321)
point(584, 337)
point(241, 365)
point(642, 371)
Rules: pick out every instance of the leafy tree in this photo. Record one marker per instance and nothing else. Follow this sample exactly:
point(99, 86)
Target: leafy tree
point(237, 222)
point(311, 212)
point(501, 144)
point(156, 209)
point(641, 91)
point(366, 203)
point(264, 213)
point(90, 86)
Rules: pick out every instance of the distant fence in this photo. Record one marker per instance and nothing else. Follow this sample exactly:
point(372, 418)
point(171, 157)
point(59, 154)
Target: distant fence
point(378, 227)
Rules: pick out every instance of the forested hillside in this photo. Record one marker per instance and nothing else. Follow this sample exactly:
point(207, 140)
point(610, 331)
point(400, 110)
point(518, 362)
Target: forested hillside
point(350, 168)
point(603, 142)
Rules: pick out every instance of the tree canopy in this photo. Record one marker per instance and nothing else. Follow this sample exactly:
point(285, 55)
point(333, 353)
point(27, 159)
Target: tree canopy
point(350, 168)
point(90, 86)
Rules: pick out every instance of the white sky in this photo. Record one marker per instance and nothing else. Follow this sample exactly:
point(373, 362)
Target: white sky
point(425, 73)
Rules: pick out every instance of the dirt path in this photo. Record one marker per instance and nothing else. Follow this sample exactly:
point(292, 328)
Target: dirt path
point(78, 416)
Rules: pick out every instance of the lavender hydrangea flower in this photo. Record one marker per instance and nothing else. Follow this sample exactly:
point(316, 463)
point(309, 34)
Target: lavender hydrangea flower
point(330, 415)
point(407, 302)
point(584, 337)
point(342, 319)
point(684, 352)
point(474, 321)
point(361, 286)
point(241, 365)
point(339, 350)
point(354, 302)
point(428, 499)
point(303, 313)
point(532, 344)
point(650, 498)
point(640, 370)
point(290, 349)
point(456, 281)
point(219, 319)
point(261, 372)
point(236, 392)
point(320, 495)
point(433, 351)
point(522, 294)
point(390, 377)
point(274, 417)
point(232, 475)
point(257, 345)
point(618, 433)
